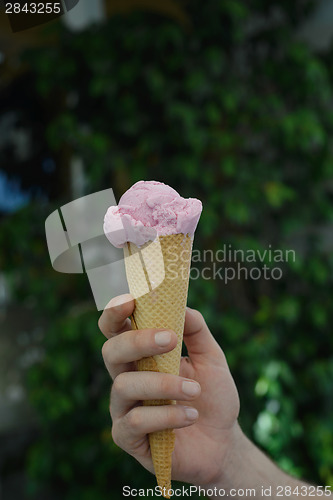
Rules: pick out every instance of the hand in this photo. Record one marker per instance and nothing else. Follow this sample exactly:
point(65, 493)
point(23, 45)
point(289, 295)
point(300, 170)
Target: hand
point(202, 444)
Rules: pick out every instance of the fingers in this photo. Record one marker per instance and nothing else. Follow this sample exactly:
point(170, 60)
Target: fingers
point(133, 345)
point(129, 431)
point(129, 387)
point(198, 339)
point(114, 318)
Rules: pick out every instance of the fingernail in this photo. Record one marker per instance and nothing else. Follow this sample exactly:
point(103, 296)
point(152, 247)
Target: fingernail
point(191, 413)
point(162, 338)
point(190, 388)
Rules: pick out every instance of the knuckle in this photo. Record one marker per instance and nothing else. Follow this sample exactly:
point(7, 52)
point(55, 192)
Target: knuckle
point(105, 350)
point(111, 408)
point(222, 354)
point(119, 384)
point(198, 316)
point(170, 415)
point(100, 323)
point(115, 434)
point(115, 306)
point(142, 340)
point(133, 418)
point(111, 351)
point(136, 340)
point(145, 385)
point(165, 384)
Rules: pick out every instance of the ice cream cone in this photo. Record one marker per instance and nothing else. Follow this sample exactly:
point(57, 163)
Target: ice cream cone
point(158, 277)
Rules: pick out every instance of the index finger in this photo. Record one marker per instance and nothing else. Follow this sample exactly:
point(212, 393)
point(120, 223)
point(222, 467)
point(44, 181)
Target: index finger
point(114, 318)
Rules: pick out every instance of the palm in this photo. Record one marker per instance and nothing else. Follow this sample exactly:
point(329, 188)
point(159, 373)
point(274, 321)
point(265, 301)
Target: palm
point(198, 450)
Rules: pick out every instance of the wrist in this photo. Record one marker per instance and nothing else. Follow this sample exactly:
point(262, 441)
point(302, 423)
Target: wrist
point(233, 464)
point(229, 470)
point(245, 467)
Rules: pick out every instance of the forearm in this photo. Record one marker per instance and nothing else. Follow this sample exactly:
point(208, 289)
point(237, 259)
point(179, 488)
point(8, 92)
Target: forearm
point(248, 472)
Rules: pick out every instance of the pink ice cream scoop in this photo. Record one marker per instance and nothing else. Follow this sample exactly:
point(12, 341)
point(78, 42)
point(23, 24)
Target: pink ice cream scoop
point(150, 209)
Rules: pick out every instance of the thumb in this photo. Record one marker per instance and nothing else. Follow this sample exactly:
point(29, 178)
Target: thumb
point(199, 341)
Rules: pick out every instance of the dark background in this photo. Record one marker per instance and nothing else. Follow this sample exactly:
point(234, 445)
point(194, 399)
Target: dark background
point(229, 101)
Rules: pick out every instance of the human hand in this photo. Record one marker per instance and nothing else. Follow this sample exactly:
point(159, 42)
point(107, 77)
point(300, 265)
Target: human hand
point(202, 444)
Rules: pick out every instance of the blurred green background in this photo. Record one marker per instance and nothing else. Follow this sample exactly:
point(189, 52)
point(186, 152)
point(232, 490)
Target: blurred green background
point(225, 101)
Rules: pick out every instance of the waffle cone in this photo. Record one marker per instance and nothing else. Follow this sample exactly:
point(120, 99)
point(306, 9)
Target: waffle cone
point(158, 277)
